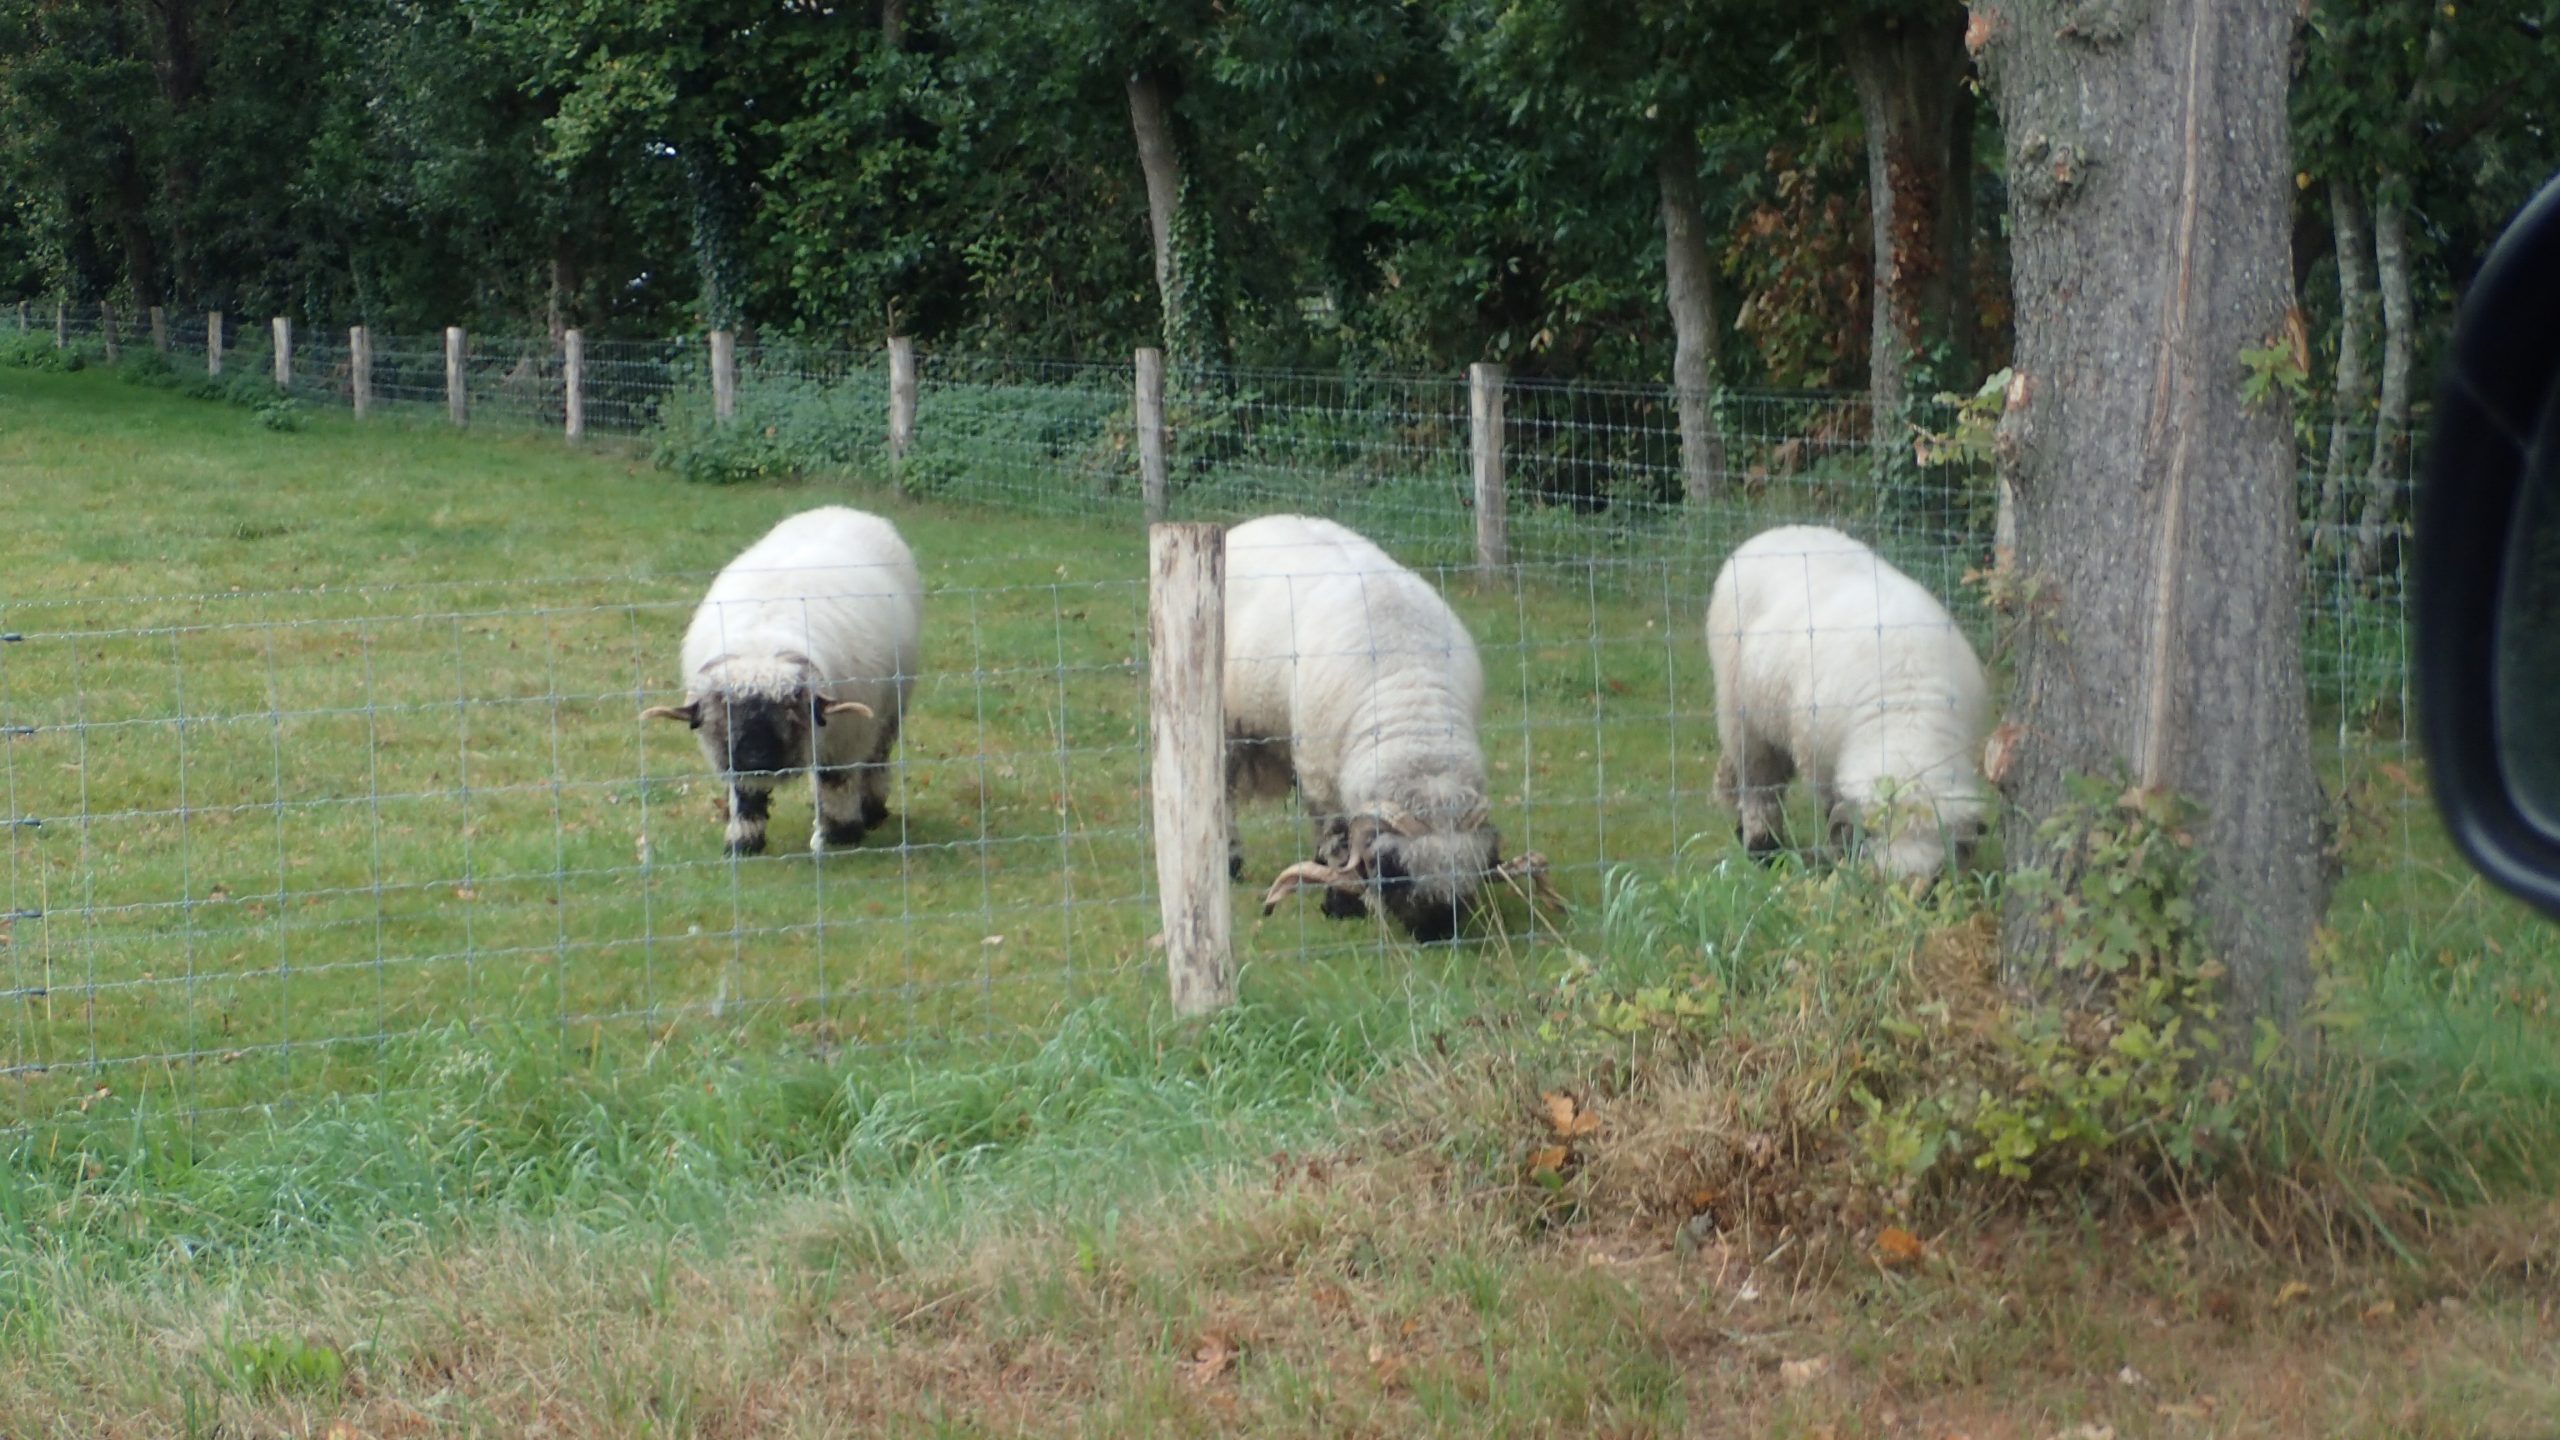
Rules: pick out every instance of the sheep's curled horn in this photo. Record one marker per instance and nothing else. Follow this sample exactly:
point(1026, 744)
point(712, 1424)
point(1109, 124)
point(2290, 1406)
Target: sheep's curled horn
point(691, 712)
point(1528, 866)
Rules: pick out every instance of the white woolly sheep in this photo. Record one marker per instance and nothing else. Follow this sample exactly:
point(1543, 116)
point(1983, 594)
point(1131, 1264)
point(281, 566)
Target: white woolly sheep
point(1832, 664)
point(803, 657)
point(1348, 672)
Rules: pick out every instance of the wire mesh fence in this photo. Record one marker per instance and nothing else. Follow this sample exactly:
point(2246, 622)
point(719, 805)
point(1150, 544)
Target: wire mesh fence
point(262, 844)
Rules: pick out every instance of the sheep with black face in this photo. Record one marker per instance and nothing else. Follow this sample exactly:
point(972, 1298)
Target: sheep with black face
point(1347, 673)
point(802, 657)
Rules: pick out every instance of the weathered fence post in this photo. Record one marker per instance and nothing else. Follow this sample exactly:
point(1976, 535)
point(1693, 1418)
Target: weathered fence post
point(22, 317)
point(61, 326)
point(724, 375)
point(902, 396)
point(284, 351)
point(1484, 408)
point(360, 369)
point(1151, 431)
point(107, 328)
point(457, 389)
point(573, 379)
point(159, 330)
point(213, 342)
point(1187, 772)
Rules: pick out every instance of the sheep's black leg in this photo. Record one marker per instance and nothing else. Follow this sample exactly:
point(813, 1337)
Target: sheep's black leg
point(842, 817)
point(747, 811)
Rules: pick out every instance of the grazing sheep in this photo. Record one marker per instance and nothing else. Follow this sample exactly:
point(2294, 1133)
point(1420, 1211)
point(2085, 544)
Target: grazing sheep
point(1348, 672)
point(803, 657)
point(1832, 664)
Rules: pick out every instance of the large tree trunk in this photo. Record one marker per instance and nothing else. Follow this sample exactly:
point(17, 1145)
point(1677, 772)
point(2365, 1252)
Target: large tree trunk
point(1909, 72)
point(2390, 464)
point(893, 23)
point(2156, 532)
point(1689, 285)
point(2351, 394)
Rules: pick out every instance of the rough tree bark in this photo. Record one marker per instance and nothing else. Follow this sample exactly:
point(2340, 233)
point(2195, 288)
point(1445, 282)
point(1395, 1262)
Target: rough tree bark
point(1161, 162)
point(1909, 72)
point(1689, 286)
point(2353, 391)
point(893, 24)
point(2150, 181)
point(2389, 466)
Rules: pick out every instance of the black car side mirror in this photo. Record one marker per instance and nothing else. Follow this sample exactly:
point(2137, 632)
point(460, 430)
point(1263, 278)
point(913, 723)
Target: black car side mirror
point(2487, 567)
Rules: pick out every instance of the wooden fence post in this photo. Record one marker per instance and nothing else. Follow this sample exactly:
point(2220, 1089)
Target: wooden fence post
point(22, 317)
point(724, 375)
point(457, 387)
point(107, 328)
point(902, 396)
point(1484, 407)
point(159, 330)
point(213, 342)
point(1187, 772)
point(284, 352)
point(61, 326)
point(573, 379)
point(1151, 476)
point(360, 369)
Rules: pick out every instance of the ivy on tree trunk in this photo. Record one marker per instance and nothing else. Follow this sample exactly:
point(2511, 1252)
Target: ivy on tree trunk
point(2148, 165)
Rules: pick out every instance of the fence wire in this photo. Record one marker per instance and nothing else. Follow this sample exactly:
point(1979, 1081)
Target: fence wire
point(258, 843)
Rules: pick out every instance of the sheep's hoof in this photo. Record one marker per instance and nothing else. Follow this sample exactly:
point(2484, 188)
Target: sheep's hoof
point(747, 845)
point(837, 835)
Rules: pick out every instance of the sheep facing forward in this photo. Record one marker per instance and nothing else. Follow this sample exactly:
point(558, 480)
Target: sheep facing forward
point(802, 656)
point(1349, 675)
point(1832, 664)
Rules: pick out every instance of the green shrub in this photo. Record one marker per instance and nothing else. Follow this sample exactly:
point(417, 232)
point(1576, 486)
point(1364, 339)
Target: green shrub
point(282, 413)
point(146, 366)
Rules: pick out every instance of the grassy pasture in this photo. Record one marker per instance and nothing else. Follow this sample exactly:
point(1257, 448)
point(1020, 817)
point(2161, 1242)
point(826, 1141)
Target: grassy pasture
point(334, 743)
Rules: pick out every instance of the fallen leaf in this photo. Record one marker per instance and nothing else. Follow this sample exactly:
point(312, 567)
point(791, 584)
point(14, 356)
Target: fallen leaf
point(2382, 1310)
point(1567, 1118)
point(1547, 1160)
point(2000, 752)
point(1897, 1246)
point(2292, 1290)
point(1210, 1361)
point(1796, 1374)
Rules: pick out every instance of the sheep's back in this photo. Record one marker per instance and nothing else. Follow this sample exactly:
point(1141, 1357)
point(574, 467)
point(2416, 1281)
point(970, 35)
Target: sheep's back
point(1817, 636)
point(1329, 638)
point(836, 584)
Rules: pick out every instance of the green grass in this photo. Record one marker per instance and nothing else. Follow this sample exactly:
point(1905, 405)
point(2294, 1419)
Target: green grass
point(362, 1065)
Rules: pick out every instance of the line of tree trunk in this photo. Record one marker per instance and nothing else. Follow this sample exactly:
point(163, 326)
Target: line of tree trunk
point(2389, 467)
point(1689, 289)
point(2156, 512)
point(2352, 395)
point(1909, 73)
